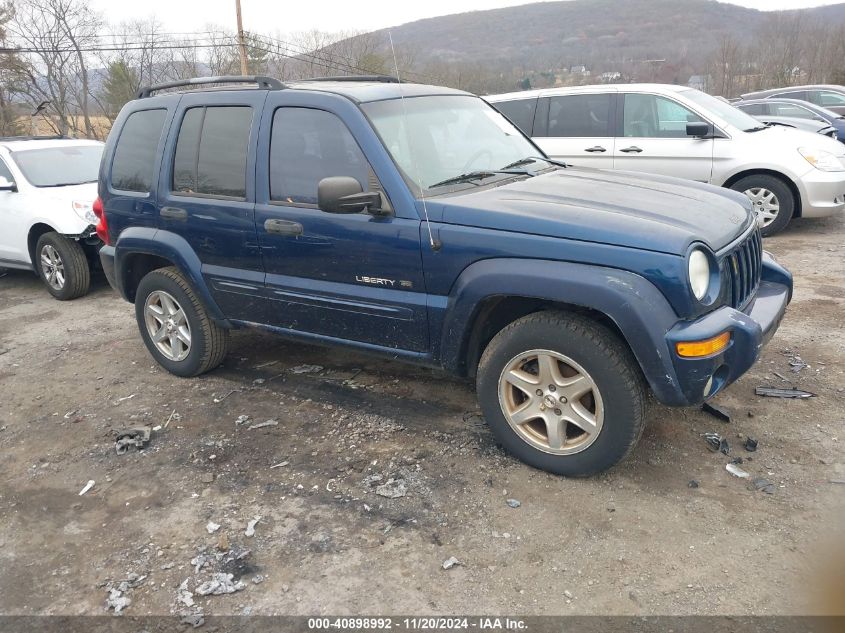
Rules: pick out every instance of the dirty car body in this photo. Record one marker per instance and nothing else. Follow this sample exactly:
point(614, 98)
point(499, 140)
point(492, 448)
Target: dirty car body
point(455, 244)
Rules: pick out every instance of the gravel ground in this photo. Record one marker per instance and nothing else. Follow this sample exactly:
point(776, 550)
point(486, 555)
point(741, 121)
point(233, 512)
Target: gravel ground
point(371, 474)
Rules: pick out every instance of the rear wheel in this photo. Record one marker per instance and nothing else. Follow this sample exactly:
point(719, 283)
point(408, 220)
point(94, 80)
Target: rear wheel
point(176, 327)
point(62, 266)
point(562, 393)
point(773, 201)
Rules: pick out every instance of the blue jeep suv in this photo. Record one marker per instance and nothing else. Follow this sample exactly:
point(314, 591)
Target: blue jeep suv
point(418, 223)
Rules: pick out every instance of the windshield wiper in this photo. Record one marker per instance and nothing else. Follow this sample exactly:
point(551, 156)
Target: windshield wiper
point(757, 129)
point(531, 159)
point(480, 175)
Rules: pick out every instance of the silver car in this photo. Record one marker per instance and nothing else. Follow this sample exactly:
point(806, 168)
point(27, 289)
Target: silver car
point(682, 132)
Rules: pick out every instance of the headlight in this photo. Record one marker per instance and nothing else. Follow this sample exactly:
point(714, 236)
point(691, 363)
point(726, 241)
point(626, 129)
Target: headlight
point(699, 273)
point(85, 211)
point(820, 159)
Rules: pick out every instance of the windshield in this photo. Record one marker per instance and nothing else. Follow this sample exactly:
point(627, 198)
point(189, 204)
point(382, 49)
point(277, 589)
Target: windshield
point(434, 139)
point(60, 166)
point(725, 111)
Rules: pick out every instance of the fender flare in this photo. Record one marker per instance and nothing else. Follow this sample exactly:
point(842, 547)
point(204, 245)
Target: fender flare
point(637, 308)
point(169, 246)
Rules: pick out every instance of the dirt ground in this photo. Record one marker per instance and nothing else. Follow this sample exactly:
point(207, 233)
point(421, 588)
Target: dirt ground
point(636, 540)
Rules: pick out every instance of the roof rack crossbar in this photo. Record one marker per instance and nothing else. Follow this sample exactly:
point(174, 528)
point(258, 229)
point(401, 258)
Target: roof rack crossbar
point(264, 83)
point(386, 79)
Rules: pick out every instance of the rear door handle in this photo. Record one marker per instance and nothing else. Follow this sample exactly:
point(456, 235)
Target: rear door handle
point(595, 148)
point(283, 227)
point(631, 150)
point(174, 213)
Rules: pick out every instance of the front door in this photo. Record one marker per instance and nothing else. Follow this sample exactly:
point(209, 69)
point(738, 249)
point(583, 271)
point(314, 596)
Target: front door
point(206, 193)
point(653, 138)
point(15, 222)
point(577, 129)
point(355, 277)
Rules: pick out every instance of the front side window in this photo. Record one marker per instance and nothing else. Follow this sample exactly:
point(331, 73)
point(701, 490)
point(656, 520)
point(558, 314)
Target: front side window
point(827, 98)
point(580, 116)
point(135, 153)
point(787, 109)
point(5, 174)
point(520, 112)
point(652, 116)
point(437, 137)
point(211, 151)
point(306, 146)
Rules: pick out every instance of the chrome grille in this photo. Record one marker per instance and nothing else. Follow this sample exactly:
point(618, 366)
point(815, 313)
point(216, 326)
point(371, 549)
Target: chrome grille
point(745, 264)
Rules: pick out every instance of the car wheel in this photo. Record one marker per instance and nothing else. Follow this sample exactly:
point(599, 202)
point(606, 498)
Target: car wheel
point(175, 325)
point(62, 266)
point(562, 393)
point(773, 201)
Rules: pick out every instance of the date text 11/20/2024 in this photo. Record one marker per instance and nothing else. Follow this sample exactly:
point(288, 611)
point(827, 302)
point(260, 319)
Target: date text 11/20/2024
point(416, 624)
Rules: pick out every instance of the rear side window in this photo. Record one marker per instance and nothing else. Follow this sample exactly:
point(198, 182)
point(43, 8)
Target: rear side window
point(306, 146)
point(754, 109)
point(211, 151)
point(580, 116)
point(801, 95)
point(827, 98)
point(520, 112)
point(135, 153)
point(787, 109)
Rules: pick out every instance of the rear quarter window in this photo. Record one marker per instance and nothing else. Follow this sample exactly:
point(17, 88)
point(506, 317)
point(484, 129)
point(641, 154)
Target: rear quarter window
point(520, 112)
point(135, 153)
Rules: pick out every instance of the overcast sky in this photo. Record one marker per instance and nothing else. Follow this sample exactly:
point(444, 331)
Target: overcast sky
point(271, 16)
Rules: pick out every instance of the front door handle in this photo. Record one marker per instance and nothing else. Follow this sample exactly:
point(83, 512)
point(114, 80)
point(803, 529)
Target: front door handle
point(631, 150)
point(595, 148)
point(283, 227)
point(174, 213)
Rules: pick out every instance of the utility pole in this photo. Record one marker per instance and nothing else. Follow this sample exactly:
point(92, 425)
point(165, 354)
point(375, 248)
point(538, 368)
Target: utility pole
point(241, 42)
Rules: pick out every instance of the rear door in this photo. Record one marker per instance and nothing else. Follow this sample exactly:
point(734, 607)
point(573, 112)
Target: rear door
point(520, 112)
point(207, 192)
point(653, 138)
point(354, 277)
point(577, 128)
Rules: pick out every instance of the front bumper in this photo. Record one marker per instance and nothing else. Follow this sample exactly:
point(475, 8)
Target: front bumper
point(701, 378)
point(822, 193)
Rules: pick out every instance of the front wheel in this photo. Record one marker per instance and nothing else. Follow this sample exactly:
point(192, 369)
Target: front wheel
point(562, 393)
point(62, 266)
point(175, 325)
point(772, 199)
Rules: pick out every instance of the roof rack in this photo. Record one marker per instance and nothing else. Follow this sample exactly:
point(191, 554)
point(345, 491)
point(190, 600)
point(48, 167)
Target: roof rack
point(264, 83)
point(385, 79)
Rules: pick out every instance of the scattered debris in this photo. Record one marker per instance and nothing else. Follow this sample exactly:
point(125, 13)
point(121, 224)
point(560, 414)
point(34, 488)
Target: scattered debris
point(736, 471)
point(173, 416)
point(220, 584)
point(212, 527)
point(279, 465)
point(258, 381)
point(513, 503)
point(225, 395)
point(781, 376)
point(451, 562)
point(392, 489)
point(184, 595)
point(783, 393)
point(837, 481)
point(750, 444)
point(87, 487)
point(693, 483)
point(306, 369)
point(223, 542)
point(261, 425)
point(194, 620)
point(716, 412)
point(138, 437)
point(763, 484)
point(717, 443)
point(267, 364)
point(242, 419)
point(250, 527)
point(257, 579)
point(567, 594)
point(117, 600)
point(796, 363)
point(737, 460)
point(126, 398)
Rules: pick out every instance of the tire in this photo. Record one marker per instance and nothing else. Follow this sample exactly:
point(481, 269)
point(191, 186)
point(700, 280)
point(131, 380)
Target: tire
point(62, 265)
point(616, 400)
point(196, 343)
point(757, 187)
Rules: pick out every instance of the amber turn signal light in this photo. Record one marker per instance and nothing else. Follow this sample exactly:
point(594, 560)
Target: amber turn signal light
point(707, 347)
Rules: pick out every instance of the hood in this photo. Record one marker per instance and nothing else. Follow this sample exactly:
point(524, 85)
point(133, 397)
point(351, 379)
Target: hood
point(628, 209)
point(86, 192)
point(778, 139)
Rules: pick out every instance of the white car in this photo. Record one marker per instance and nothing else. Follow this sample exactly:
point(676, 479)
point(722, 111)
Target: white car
point(47, 223)
point(682, 132)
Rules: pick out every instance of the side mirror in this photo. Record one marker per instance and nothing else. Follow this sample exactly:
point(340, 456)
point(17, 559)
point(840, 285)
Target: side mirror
point(344, 194)
point(699, 128)
point(6, 185)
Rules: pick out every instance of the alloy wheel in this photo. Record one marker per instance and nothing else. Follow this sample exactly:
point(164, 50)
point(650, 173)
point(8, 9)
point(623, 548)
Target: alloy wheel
point(167, 325)
point(53, 267)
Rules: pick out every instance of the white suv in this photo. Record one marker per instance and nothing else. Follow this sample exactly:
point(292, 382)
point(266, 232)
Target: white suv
point(47, 189)
point(682, 132)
